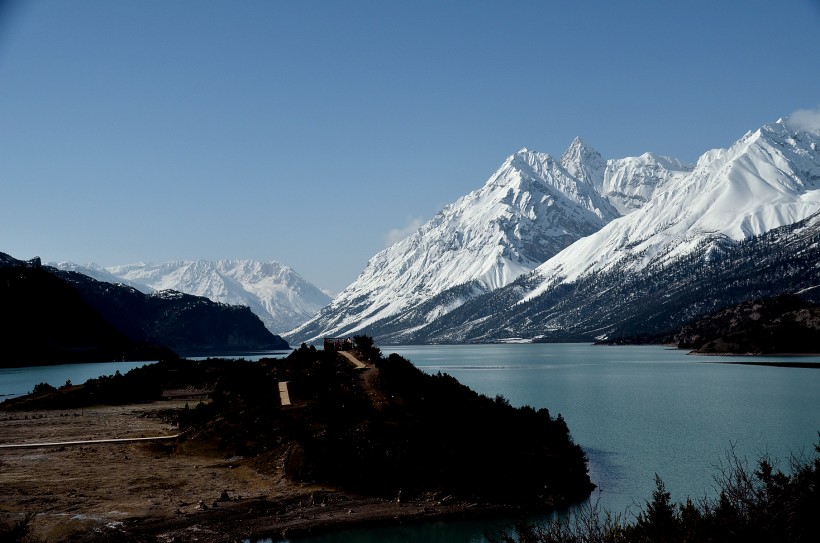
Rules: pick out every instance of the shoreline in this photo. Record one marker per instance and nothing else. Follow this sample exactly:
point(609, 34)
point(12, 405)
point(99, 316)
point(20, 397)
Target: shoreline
point(123, 486)
point(742, 359)
point(317, 514)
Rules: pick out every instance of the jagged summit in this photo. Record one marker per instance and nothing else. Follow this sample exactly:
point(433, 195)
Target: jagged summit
point(582, 216)
point(527, 211)
point(584, 163)
point(767, 179)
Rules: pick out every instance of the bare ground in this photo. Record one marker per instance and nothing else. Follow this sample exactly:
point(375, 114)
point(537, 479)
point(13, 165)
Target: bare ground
point(165, 491)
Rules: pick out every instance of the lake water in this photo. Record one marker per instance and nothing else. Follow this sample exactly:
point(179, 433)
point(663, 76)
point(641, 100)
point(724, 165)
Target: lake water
point(636, 411)
point(18, 381)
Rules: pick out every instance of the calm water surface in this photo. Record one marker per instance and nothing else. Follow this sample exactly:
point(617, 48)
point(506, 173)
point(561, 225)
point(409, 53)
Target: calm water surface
point(18, 381)
point(636, 410)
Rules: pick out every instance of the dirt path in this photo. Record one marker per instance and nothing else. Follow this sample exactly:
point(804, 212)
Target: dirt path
point(181, 490)
point(80, 488)
point(284, 393)
point(86, 442)
point(358, 364)
point(369, 379)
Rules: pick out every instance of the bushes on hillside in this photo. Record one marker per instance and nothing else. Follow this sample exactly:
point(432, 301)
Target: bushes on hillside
point(753, 505)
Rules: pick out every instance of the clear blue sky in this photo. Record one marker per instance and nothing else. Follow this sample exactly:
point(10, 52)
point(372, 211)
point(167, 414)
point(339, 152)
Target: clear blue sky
point(307, 131)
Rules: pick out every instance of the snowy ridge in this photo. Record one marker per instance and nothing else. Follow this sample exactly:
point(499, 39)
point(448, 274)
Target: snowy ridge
point(528, 210)
point(99, 273)
point(769, 178)
point(464, 274)
point(629, 183)
point(274, 292)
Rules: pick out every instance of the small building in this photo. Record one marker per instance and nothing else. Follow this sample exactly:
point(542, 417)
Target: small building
point(338, 344)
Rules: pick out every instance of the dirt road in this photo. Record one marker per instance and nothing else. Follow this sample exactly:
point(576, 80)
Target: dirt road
point(177, 489)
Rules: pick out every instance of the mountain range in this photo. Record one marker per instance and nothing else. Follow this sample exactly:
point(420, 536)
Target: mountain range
point(581, 248)
point(56, 316)
point(274, 292)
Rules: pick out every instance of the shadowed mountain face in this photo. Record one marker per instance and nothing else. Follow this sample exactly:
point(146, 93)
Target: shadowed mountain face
point(57, 317)
point(785, 324)
point(186, 323)
point(47, 322)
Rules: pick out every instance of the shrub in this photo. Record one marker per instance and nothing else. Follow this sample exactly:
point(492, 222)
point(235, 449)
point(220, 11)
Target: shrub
point(762, 504)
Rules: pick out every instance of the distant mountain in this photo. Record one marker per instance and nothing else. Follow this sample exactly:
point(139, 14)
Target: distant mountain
point(274, 292)
point(679, 221)
point(529, 210)
point(100, 274)
point(186, 323)
point(57, 316)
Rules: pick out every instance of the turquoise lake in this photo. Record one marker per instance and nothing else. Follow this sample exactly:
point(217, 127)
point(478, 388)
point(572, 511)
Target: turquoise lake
point(636, 411)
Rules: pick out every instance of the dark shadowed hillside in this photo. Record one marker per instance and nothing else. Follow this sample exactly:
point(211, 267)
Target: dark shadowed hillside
point(785, 324)
point(58, 317)
point(46, 321)
point(183, 322)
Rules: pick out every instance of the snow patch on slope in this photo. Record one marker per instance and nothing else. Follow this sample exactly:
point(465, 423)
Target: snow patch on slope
point(769, 178)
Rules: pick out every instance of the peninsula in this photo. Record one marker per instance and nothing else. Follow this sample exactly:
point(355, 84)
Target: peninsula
point(315, 441)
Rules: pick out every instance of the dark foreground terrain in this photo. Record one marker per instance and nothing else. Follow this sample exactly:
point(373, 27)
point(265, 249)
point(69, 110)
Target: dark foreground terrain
point(364, 440)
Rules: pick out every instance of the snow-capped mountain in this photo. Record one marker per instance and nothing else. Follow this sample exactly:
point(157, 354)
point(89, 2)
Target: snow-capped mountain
point(767, 179)
point(274, 292)
point(744, 223)
point(99, 273)
point(611, 304)
point(465, 275)
point(528, 210)
point(629, 183)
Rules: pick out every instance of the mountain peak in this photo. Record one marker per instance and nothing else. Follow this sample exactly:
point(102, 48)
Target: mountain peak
point(584, 163)
point(577, 143)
